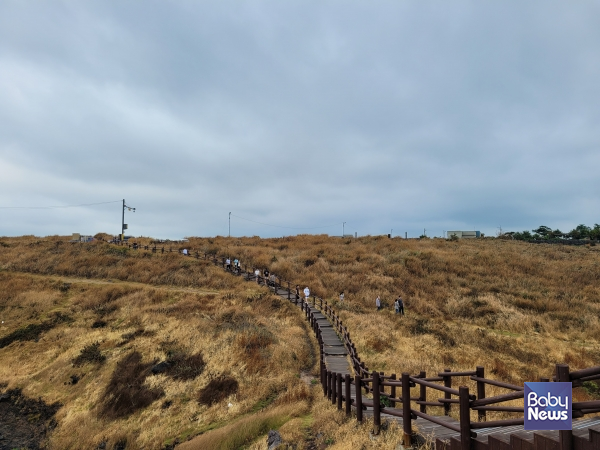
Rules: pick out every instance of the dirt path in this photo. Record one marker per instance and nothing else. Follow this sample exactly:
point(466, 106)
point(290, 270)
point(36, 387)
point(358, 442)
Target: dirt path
point(76, 280)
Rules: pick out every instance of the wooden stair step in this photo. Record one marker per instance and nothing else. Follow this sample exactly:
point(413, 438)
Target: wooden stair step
point(334, 351)
point(522, 440)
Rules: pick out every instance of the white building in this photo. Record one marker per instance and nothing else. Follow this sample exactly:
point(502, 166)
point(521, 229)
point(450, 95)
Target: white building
point(464, 234)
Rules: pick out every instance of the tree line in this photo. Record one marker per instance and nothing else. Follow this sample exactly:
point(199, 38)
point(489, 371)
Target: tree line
point(544, 233)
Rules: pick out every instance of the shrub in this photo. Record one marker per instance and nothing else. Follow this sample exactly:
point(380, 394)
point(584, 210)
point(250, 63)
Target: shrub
point(126, 392)
point(179, 365)
point(33, 331)
point(218, 390)
point(185, 367)
point(89, 354)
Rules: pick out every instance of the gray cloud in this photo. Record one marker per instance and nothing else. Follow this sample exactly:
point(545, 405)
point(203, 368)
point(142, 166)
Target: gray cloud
point(382, 115)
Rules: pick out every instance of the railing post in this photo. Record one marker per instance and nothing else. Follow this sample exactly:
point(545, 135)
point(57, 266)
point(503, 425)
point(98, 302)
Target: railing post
point(339, 391)
point(480, 373)
point(447, 396)
point(323, 374)
point(289, 291)
point(333, 388)
point(329, 389)
point(465, 418)
point(393, 390)
point(348, 395)
point(364, 370)
point(423, 393)
point(376, 404)
point(565, 437)
point(406, 413)
point(358, 397)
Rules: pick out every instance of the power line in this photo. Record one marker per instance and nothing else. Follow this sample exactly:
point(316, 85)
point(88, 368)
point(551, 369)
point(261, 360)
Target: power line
point(57, 207)
point(292, 228)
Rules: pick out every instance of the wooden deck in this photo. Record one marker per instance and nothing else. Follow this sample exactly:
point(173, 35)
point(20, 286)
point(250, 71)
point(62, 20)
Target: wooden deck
point(586, 432)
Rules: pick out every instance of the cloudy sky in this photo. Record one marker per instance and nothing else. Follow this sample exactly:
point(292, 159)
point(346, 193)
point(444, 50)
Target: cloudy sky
point(298, 116)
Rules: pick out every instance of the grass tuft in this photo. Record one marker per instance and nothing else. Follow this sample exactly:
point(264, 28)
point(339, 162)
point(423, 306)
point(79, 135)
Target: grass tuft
point(126, 392)
point(218, 390)
point(89, 354)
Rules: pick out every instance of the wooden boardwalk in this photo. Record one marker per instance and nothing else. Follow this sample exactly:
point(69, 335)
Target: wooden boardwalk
point(586, 432)
point(336, 360)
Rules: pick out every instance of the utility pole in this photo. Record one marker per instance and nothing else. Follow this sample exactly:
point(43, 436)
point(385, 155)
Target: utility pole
point(230, 224)
point(123, 224)
point(391, 233)
point(343, 228)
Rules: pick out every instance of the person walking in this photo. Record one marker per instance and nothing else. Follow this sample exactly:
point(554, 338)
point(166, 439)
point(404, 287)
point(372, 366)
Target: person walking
point(306, 293)
point(342, 297)
point(396, 306)
point(400, 305)
point(378, 303)
point(297, 292)
point(228, 263)
point(266, 276)
point(257, 275)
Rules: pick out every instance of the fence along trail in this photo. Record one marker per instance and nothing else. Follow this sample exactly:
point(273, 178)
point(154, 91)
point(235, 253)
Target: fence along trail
point(448, 433)
point(342, 371)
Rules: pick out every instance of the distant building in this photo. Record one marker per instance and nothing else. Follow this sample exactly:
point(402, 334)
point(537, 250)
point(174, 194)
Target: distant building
point(464, 234)
point(81, 238)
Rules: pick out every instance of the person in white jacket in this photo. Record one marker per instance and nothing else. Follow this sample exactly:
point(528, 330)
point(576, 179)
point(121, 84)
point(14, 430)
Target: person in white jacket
point(306, 293)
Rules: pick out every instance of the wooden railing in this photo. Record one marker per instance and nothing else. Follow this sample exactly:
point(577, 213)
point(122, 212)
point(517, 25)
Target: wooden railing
point(384, 389)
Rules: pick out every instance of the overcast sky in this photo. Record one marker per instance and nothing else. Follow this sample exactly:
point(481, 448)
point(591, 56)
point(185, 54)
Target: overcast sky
point(299, 115)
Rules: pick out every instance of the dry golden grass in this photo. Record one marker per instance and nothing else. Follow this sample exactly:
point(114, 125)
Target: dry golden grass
point(515, 308)
point(237, 329)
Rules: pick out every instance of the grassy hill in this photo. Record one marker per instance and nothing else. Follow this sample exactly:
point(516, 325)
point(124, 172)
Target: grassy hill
point(141, 350)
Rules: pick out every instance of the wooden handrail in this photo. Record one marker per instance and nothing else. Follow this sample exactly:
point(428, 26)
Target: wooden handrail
point(594, 404)
point(436, 386)
point(426, 403)
point(457, 374)
point(499, 408)
point(332, 382)
point(448, 400)
point(584, 373)
point(498, 383)
point(498, 399)
point(437, 421)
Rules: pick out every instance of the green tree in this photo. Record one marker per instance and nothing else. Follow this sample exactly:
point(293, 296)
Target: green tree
point(595, 232)
point(523, 235)
point(580, 232)
point(543, 231)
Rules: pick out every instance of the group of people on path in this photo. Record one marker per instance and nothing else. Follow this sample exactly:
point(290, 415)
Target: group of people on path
point(269, 279)
point(398, 305)
point(306, 293)
point(236, 264)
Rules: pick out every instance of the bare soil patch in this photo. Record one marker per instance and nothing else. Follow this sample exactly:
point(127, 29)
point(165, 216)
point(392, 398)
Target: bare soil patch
point(24, 422)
